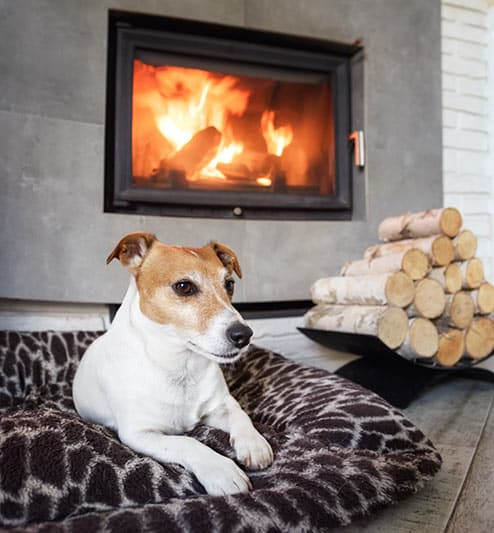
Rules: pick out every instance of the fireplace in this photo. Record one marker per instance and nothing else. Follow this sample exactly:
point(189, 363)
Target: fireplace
point(216, 121)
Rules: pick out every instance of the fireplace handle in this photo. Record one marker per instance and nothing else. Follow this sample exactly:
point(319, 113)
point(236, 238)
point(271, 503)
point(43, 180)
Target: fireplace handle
point(358, 139)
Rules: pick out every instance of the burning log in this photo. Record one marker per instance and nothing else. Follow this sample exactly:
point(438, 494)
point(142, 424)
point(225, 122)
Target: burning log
point(374, 289)
point(472, 272)
point(465, 245)
point(483, 299)
point(389, 324)
point(459, 310)
point(451, 346)
point(413, 262)
point(439, 248)
point(479, 338)
point(450, 278)
point(258, 163)
point(445, 221)
point(235, 171)
point(422, 340)
point(194, 155)
point(429, 300)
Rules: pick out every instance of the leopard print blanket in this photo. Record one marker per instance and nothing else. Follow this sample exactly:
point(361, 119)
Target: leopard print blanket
point(341, 452)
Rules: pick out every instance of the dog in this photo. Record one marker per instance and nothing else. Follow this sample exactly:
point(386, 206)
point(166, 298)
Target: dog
point(155, 373)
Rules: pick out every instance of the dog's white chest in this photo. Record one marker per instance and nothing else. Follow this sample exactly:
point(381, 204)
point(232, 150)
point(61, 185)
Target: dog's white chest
point(177, 399)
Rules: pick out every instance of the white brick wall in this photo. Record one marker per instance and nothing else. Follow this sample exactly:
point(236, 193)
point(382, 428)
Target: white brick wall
point(468, 117)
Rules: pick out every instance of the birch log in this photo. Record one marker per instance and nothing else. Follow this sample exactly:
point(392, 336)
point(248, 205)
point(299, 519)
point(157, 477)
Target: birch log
point(445, 221)
point(479, 338)
point(439, 248)
point(429, 300)
point(450, 277)
point(422, 340)
point(483, 299)
point(389, 324)
point(472, 272)
point(373, 289)
point(459, 310)
point(451, 346)
point(412, 262)
point(465, 245)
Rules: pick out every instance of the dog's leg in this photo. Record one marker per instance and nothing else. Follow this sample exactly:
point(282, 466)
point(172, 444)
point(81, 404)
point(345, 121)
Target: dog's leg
point(251, 448)
point(218, 474)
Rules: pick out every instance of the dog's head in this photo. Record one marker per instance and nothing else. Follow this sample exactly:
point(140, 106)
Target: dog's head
point(189, 290)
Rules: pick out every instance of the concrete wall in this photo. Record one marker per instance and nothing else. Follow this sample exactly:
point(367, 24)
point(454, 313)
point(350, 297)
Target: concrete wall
point(53, 231)
point(468, 117)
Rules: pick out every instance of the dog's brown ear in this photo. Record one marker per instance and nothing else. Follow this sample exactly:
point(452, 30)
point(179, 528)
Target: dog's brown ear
point(131, 249)
point(227, 256)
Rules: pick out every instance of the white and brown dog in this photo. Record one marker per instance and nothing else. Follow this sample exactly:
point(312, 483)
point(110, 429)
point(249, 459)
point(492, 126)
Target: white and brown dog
point(154, 374)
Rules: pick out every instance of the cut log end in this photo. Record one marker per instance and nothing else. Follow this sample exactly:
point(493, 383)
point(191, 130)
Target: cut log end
point(465, 245)
point(399, 289)
point(423, 337)
point(446, 221)
point(450, 278)
point(453, 278)
point(474, 274)
point(461, 310)
point(416, 264)
point(442, 250)
point(479, 339)
point(450, 221)
point(429, 300)
point(484, 299)
point(451, 347)
point(392, 327)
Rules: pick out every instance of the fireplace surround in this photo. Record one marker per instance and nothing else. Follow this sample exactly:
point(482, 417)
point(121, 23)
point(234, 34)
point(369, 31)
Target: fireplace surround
point(213, 121)
point(56, 232)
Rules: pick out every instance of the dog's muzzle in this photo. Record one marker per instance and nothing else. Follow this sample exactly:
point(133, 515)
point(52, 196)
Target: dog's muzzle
point(239, 334)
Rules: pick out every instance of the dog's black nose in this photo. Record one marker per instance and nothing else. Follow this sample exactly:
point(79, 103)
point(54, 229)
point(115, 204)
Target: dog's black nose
point(239, 334)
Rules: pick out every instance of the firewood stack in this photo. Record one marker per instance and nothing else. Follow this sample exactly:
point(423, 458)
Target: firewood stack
point(421, 291)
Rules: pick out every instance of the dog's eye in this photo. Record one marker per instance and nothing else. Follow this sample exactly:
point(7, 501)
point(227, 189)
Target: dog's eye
point(230, 286)
point(185, 288)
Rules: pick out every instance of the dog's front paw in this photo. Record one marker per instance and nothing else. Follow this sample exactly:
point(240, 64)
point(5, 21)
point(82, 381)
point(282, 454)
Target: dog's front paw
point(220, 475)
point(252, 449)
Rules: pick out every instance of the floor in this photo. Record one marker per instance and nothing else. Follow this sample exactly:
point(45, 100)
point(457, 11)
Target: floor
point(457, 416)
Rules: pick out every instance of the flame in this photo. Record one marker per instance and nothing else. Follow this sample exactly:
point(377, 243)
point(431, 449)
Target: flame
point(225, 154)
point(265, 182)
point(172, 104)
point(277, 139)
point(185, 100)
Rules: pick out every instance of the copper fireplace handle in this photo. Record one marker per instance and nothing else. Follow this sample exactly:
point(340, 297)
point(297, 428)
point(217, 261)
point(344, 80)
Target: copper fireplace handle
point(358, 139)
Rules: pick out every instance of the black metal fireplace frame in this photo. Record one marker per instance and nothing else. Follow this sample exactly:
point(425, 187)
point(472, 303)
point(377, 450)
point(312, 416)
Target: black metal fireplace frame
point(131, 31)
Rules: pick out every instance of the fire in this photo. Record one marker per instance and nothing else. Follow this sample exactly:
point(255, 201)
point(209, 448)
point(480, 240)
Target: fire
point(277, 139)
point(265, 182)
point(172, 105)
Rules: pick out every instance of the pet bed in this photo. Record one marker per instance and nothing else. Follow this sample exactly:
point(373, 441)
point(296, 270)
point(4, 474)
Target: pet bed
point(341, 452)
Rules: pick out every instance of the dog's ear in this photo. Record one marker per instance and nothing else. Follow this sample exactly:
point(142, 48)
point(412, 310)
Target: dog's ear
point(227, 256)
point(132, 249)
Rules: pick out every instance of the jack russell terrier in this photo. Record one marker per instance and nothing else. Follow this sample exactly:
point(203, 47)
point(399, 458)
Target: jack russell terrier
point(155, 374)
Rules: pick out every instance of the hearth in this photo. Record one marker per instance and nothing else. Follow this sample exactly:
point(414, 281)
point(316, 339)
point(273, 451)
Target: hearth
point(216, 121)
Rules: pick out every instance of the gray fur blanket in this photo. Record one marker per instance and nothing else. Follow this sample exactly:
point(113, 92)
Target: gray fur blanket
point(341, 452)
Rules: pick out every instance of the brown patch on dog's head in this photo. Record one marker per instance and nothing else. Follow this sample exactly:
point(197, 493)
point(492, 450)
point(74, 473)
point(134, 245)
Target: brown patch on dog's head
point(158, 268)
point(164, 267)
point(227, 257)
point(131, 250)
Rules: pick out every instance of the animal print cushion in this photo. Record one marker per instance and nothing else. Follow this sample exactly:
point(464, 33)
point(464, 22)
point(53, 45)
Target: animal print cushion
point(341, 452)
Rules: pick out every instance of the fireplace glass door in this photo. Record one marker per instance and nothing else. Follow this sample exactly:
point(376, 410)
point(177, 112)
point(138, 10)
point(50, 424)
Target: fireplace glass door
point(197, 129)
point(209, 120)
